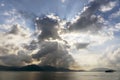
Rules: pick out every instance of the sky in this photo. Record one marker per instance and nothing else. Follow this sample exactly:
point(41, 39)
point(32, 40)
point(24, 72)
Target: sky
point(76, 34)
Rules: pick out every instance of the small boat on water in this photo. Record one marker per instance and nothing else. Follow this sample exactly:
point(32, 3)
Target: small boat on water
point(109, 71)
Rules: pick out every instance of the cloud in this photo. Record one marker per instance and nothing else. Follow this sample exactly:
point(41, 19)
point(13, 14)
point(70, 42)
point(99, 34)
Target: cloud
point(14, 16)
point(86, 24)
point(63, 1)
point(115, 15)
point(3, 50)
point(109, 6)
point(17, 29)
point(117, 26)
point(111, 57)
point(52, 48)
point(19, 47)
point(2, 4)
point(81, 45)
point(48, 27)
point(115, 57)
point(57, 42)
point(90, 0)
point(54, 54)
point(20, 59)
point(87, 59)
point(12, 52)
point(33, 45)
point(92, 39)
point(88, 20)
point(114, 28)
point(46, 48)
point(14, 30)
point(87, 49)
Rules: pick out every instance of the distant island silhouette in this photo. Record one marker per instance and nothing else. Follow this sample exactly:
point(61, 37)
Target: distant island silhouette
point(36, 68)
point(107, 70)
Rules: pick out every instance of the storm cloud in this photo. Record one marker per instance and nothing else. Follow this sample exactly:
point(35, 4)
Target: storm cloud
point(88, 20)
point(49, 28)
point(54, 54)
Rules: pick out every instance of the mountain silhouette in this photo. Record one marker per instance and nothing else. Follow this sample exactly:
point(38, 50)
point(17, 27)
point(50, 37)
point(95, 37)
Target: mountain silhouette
point(35, 68)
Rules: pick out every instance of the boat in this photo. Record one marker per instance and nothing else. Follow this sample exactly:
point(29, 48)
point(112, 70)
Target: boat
point(109, 71)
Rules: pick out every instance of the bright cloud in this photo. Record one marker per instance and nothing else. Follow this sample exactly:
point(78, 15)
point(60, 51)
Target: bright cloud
point(63, 1)
point(115, 15)
point(108, 7)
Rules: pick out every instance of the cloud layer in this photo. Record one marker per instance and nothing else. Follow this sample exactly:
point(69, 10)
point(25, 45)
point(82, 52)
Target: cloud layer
point(51, 40)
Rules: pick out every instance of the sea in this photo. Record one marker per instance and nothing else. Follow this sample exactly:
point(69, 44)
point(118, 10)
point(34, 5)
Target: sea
point(59, 76)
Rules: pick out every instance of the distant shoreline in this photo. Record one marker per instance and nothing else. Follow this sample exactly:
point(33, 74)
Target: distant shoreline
point(38, 68)
point(32, 68)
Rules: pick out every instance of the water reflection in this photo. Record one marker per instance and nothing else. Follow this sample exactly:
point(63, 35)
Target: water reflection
point(58, 76)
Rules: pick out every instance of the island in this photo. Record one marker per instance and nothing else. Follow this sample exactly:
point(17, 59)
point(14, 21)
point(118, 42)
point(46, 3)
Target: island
point(37, 68)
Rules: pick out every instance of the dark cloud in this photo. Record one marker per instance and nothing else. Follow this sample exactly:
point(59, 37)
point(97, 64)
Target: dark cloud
point(58, 59)
point(17, 29)
point(24, 56)
point(46, 48)
point(14, 30)
point(3, 50)
point(48, 27)
point(81, 45)
point(54, 54)
point(31, 46)
point(88, 21)
point(16, 60)
point(11, 60)
point(51, 52)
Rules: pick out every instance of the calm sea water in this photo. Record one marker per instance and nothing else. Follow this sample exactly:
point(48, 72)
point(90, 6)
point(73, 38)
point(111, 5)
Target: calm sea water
point(59, 76)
